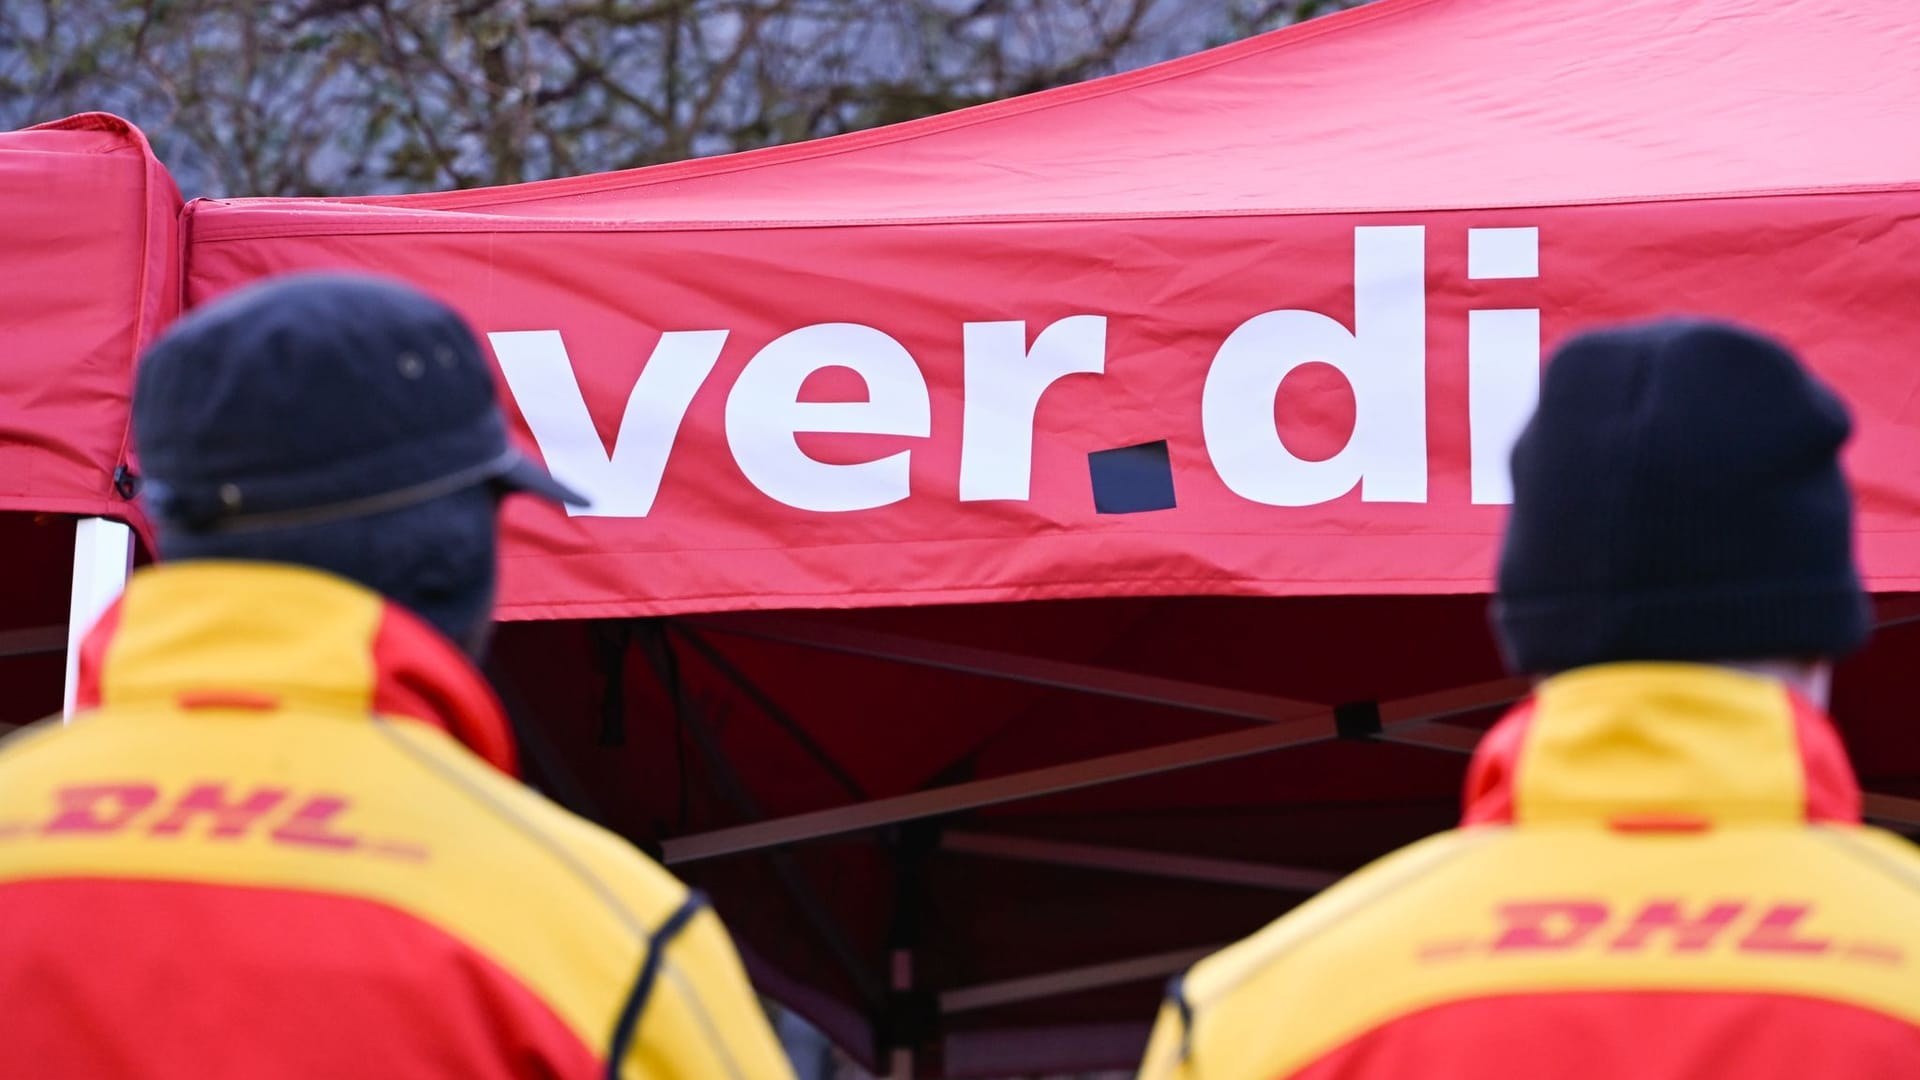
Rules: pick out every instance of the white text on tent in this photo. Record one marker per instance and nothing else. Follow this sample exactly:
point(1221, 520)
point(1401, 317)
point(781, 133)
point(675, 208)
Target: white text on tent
point(1383, 358)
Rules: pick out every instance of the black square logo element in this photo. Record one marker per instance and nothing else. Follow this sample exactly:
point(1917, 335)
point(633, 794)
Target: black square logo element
point(1132, 479)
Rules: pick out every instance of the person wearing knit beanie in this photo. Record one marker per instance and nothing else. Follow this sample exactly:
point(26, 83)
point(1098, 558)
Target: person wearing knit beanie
point(1661, 870)
point(286, 833)
point(1678, 496)
point(340, 422)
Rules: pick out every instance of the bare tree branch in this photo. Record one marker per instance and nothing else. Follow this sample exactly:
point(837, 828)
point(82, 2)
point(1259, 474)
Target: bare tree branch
point(330, 96)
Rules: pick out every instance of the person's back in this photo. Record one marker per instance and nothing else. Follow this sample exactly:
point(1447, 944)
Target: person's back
point(267, 855)
point(282, 839)
point(1662, 872)
point(1634, 894)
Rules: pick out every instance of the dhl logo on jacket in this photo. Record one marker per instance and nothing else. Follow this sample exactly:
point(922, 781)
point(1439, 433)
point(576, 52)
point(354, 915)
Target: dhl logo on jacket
point(285, 843)
point(1661, 874)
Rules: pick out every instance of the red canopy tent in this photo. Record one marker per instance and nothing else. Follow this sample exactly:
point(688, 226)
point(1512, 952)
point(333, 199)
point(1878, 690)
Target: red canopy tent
point(89, 272)
point(1132, 433)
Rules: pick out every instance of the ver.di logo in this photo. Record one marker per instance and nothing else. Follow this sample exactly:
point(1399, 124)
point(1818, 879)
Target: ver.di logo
point(1382, 356)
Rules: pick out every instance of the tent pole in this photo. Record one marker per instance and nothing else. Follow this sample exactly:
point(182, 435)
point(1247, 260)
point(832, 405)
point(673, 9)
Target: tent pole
point(1002, 789)
point(1072, 776)
point(1072, 980)
point(728, 671)
point(912, 1015)
point(658, 649)
point(1295, 879)
point(33, 641)
point(1011, 667)
point(1897, 611)
point(1436, 736)
point(1034, 1050)
point(102, 555)
point(1895, 810)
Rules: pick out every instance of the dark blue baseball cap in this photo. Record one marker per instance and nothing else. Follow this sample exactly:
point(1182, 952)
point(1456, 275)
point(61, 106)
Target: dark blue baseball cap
point(319, 397)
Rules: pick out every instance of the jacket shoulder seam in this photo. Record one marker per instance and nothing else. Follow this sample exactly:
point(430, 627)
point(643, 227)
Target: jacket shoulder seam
point(1844, 839)
point(1188, 1009)
point(628, 1023)
point(1362, 898)
point(542, 839)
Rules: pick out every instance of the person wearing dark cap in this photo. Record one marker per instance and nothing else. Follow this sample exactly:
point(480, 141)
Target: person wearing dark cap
point(284, 838)
point(1662, 871)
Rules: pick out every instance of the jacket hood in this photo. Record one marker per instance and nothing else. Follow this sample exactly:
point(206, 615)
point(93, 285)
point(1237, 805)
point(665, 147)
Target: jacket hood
point(1661, 747)
point(261, 637)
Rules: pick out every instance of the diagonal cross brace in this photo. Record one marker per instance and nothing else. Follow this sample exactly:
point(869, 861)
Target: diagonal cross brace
point(1296, 879)
point(1073, 776)
point(1010, 667)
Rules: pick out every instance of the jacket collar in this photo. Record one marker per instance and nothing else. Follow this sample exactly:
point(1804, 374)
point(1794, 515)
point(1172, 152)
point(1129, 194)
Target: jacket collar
point(1661, 747)
point(210, 635)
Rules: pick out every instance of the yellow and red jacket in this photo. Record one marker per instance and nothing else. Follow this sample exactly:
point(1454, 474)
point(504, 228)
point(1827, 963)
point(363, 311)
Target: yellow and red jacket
point(284, 842)
point(1661, 875)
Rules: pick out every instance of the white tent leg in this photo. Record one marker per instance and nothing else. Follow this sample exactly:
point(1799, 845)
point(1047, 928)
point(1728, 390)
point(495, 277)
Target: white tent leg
point(102, 555)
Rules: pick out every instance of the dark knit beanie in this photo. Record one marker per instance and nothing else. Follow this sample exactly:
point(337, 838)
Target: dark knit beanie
point(1678, 496)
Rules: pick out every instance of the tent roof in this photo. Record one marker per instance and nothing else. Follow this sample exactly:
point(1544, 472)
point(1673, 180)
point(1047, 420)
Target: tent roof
point(1173, 207)
point(676, 730)
point(1400, 105)
point(90, 274)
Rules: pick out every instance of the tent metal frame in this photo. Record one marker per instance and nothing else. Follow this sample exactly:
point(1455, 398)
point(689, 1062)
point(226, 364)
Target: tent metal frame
point(103, 553)
point(1008, 667)
point(1073, 980)
point(1278, 723)
point(658, 649)
point(1417, 721)
point(1197, 868)
point(1282, 723)
point(32, 641)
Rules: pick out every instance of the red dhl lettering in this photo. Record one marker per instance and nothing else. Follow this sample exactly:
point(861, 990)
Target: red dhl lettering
point(1666, 924)
point(228, 818)
point(1545, 927)
point(1682, 932)
point(210, 810)
point(99, 808)
point(309, 825)
point(1777, 932)
point(1548, 924)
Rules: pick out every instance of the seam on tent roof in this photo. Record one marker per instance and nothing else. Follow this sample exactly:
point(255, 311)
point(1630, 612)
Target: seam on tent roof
point(1102, 589)
point(1148, 588)
point(142, 330)
point(1481, 581)
point(933, 125)
point(105, 123)
point(1065, 535)
point(432, 223)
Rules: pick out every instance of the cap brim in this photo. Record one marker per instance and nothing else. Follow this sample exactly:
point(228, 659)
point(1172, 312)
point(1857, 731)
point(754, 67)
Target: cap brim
point(524, 475)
